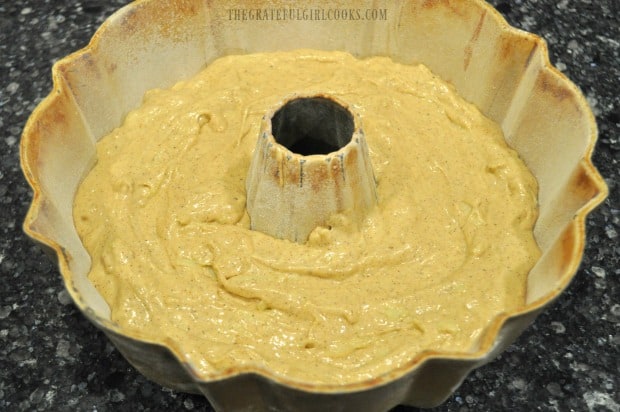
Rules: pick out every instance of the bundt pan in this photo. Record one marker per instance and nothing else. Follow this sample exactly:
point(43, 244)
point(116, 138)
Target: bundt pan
point(154, 43)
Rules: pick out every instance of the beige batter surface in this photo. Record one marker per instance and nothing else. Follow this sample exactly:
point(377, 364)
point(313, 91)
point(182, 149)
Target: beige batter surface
point(448, 248)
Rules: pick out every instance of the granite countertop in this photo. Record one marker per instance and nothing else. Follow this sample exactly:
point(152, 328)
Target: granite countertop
point(52, 358)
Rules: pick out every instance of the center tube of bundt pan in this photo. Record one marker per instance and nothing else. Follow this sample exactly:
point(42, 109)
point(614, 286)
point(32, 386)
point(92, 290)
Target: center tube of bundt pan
point(311, 161)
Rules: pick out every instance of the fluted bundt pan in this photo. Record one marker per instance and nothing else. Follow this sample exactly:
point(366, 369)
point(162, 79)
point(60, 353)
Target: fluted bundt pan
point(152, 44)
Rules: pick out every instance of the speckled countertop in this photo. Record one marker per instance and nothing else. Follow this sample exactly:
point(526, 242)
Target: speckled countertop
point(51, 358)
